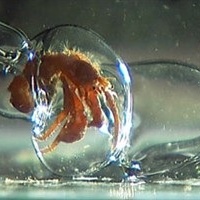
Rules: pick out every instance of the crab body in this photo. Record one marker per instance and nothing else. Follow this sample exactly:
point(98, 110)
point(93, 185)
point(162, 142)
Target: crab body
point(83, 86)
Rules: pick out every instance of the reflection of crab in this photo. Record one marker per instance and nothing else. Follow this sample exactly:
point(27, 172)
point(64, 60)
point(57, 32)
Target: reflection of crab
point(83, 88)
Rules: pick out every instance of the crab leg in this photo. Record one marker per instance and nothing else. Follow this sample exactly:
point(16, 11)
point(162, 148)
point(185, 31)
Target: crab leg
point(75, 128)
point(94, 105)
point(21, 97)
point(59, 119)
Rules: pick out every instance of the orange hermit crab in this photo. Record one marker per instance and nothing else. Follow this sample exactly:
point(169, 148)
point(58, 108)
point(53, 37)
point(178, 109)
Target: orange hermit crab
point(83, 86)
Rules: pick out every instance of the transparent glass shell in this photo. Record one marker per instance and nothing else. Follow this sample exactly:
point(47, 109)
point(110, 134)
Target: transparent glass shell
point(159, 142)
point(15, 50)
point(96, 148)
point(166, 102)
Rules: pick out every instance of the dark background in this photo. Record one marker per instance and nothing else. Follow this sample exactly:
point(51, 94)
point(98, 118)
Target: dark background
point(136, 29)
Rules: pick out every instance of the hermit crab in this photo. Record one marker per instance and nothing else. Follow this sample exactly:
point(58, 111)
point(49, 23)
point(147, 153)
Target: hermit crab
point(83, 87)
point(75, 91)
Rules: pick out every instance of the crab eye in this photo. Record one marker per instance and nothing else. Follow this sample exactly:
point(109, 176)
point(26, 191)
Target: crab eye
point(81, 128)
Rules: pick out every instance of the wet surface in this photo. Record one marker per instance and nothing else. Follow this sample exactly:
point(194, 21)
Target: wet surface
point(137, 31)
point(55, 189)
point(22, 176)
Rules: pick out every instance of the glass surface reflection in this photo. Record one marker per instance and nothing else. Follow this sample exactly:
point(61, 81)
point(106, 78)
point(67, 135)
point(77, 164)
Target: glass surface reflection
point(75, 91)
point(166, 97)
point(164, 140)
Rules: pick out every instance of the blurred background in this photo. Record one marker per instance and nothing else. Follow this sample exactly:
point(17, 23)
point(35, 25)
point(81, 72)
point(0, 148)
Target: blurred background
point(137, 30)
